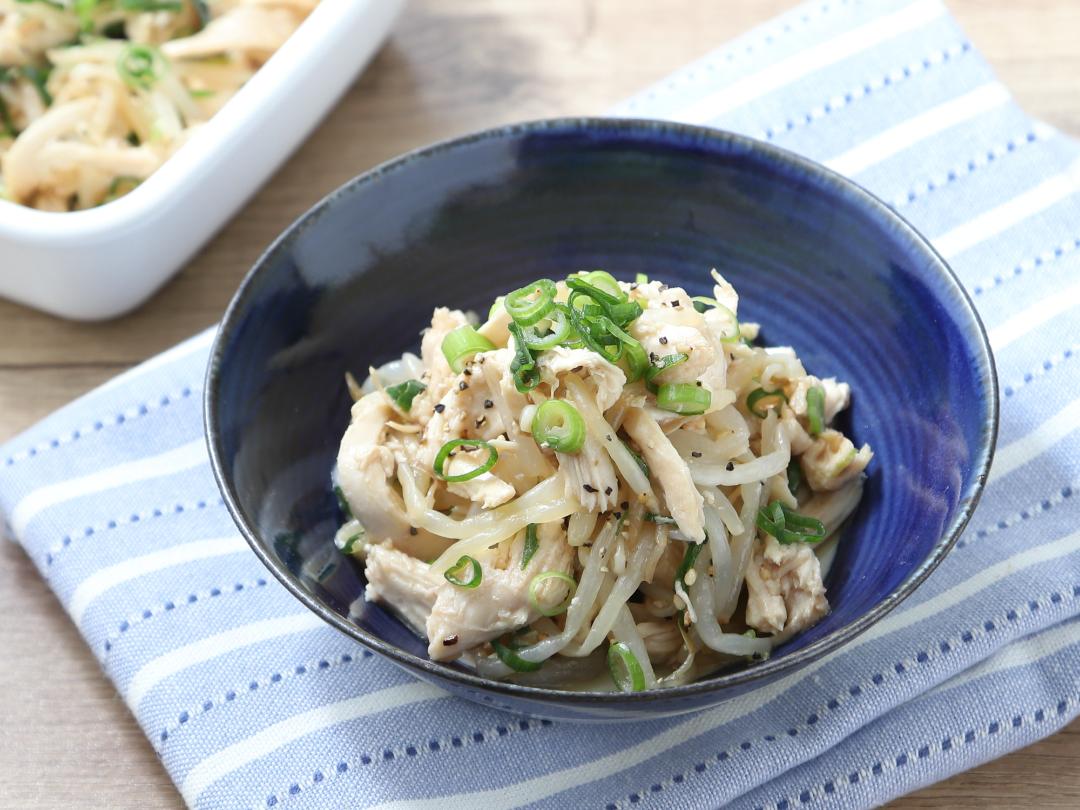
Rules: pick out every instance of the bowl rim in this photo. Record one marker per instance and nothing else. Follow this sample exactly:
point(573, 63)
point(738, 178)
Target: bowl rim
point(978, 343)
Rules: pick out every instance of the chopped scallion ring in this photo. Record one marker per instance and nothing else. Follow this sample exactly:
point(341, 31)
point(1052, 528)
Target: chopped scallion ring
point(465, 573)
point(404, 393)
point(350, 544)
point(450, 446)
point(732, 331)
point(523, 366)
point(766, 399)
point(683, 398)
point(641, 278)
point(553, 610)
point(460, 345)
point(662, 365)
point(788, 526)
point(140, 66)
point(560, 330)
point(603, 280)
point(703, 303)
point(625, 669)
point(794, 476)
point(531, 303)
point(528, 549)
point(508, 655)
point(815, 409)
point(558, 425)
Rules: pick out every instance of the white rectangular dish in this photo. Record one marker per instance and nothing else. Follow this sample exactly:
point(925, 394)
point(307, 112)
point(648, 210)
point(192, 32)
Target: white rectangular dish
point(102, 262)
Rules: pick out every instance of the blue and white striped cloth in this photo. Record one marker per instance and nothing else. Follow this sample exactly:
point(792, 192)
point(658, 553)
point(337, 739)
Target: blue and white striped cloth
point(251, 702)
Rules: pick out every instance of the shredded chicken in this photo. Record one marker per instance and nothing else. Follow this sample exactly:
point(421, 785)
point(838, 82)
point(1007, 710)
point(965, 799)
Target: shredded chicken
point(669, 468)
point(832, 461)
point(785, 591)
point(403, 582)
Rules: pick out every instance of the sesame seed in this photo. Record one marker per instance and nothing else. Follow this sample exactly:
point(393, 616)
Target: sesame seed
point(675, 303)
point(462, 385)
point(439, 407)
point(695, 454)
point(663, 341)
point(450, 641)
point(413, 531)
point(625, 504)
point(488, 403)
point(607, 490)
point(467, 372)
point(730, 466)
point(589, 488)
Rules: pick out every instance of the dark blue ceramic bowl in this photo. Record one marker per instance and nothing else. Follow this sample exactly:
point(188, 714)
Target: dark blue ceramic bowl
point(823, 265)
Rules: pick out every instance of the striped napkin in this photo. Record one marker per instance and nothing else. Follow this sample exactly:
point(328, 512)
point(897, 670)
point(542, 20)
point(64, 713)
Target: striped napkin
point(252, 702)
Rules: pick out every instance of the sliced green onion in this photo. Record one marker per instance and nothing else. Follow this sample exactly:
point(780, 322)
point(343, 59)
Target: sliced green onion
point(641, 278)
point(510, 657)
point(560, 330)
point(350, 544)
point(39, 77)
point(531, 303)
point(84, 10)
point(637, 361)
point(7, 126)
point(558, 425)
point(702, 303)
point(523, 366)
point(200, 94)
point(598, 294)
point(603, 280)
point(465, 573)
point(532, 543)
point(625, 314)
point(662, 365)
point(140, 66)
point(693, 550)
point(119, 187)
point(788, 526)
point(444, 454)
point(592, 333)
point(794, 476)
point(683, 398)
point(733, 333)
point(404, 393)
point(815, 409)
point(540, 579)
point(343, 503)
point(766, 399)
point(625, 669)
point(151, 5)
point(654, 518)
point(462, 344)
point(637, 459)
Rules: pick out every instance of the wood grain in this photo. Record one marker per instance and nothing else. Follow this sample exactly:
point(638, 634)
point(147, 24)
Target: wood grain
point(67, 739)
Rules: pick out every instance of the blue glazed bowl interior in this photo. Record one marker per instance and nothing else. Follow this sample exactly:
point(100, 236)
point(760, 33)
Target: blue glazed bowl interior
point(820, 264)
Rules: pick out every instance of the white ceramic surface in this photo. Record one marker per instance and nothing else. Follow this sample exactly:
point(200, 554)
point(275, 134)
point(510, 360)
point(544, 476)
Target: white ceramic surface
point(99, 263)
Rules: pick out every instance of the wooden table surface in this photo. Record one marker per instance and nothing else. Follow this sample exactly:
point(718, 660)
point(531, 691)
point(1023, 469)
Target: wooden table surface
point(449, 67)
